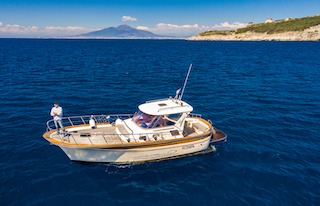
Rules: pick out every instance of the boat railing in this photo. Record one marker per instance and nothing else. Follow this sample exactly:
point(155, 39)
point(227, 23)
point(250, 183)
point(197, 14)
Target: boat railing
point(157, 100)
point(171, 108)
point(195, 115)
point(79, 120)
point(99, 119)
point(108, 137)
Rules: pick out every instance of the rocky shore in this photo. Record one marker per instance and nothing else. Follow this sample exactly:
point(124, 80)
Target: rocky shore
point(310, 34)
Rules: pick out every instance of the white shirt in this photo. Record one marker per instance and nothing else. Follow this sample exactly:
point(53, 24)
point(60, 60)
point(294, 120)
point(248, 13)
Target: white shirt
point(58, 111)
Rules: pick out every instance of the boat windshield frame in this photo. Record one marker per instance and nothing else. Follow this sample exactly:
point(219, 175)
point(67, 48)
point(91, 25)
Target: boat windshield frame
point(152, 121)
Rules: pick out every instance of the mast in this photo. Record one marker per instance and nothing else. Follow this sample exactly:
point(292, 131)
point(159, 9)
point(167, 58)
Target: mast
point(185, 81)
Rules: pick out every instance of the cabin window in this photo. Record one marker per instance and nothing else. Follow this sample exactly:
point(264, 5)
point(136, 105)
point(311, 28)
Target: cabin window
point(175, 117)
point(152, 121)
point(174, 132)
point(145, 120)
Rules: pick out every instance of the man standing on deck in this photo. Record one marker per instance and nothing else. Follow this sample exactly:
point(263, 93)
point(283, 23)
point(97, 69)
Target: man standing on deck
point(56, 113)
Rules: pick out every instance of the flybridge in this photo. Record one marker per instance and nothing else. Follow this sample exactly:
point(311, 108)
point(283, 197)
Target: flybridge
point(165, 106)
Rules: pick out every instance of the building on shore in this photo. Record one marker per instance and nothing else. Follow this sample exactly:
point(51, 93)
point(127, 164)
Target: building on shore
point(269, 20)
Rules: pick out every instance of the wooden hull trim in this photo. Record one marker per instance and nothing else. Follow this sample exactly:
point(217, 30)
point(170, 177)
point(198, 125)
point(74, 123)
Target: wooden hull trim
point(132, 145)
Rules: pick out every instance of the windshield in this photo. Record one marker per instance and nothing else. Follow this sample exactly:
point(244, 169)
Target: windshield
point(144, 120)
point(151, 121)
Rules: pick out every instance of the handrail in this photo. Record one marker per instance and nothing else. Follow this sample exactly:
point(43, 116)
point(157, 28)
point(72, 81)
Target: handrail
point(170, 108)
point(195, 115)
point(128, 127)
point(77, 120)
point(158, 100)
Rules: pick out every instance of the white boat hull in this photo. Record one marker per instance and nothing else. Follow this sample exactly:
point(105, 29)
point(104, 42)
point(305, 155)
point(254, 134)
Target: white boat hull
point(135, 155)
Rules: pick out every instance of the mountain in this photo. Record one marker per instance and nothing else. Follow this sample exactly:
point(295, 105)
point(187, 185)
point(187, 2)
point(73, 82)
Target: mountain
point(289, 29)
point(122, 31)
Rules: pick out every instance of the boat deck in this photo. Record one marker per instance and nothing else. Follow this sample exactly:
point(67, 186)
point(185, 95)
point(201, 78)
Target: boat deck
point(102, 134)
point(109, 134)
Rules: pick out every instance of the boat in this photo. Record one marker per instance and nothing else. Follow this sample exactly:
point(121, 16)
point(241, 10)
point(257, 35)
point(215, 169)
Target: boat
point(160, 129)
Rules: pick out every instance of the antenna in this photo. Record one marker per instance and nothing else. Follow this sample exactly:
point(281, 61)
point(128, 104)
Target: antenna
point(185, 81)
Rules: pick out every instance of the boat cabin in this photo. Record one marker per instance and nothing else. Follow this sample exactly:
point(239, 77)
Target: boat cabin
point(162, 113)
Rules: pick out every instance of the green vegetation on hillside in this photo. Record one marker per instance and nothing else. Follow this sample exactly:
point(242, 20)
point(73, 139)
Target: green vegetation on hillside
point(217, 32)
point(280, 26)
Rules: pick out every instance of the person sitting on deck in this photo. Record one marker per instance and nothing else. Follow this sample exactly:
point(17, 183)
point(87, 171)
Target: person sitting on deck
point(56, 113)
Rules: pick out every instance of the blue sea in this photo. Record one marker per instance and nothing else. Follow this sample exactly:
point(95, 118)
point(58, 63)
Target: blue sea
point(264, 95)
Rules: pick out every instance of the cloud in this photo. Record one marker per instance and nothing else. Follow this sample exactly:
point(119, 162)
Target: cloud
point(9, 28)
point(228, 26)
point(67, 29)
point(174, 29)
point(189, 29)
point(129, 18)
point(47, 31)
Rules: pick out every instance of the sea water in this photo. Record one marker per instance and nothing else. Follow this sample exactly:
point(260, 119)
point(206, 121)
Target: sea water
point(264, 95)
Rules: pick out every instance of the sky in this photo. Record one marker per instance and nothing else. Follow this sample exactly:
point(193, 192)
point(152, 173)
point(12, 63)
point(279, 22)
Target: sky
point(53, 18)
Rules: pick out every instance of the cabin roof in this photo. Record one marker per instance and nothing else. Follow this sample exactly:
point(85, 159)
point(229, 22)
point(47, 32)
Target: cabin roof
point(165, 106)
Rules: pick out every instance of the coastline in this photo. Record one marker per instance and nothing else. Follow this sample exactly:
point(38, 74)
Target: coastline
point(310, 34)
